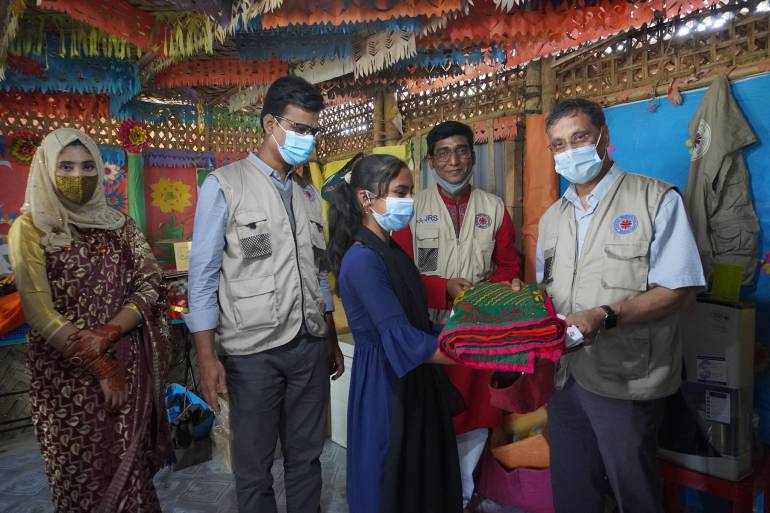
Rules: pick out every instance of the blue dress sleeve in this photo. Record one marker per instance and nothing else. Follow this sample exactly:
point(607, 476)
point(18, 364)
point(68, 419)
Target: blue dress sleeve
point(366, 276)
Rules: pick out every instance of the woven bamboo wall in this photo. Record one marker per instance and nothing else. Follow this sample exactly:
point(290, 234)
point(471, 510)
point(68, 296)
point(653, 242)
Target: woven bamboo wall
point(645, 63)
point(173, 134)
point(483, 97)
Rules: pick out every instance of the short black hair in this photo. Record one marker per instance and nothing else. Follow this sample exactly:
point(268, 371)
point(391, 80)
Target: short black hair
point(448, 129)
point(571, 106)
point(291, 91)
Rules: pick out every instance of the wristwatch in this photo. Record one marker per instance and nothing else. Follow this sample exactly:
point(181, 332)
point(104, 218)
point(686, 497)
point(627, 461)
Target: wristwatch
point(610, 318)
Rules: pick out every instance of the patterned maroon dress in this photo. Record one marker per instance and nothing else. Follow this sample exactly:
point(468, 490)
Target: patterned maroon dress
point(98, 460)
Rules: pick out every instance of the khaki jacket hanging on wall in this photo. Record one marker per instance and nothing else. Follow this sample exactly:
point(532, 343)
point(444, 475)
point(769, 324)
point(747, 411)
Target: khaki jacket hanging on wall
point(718, 197)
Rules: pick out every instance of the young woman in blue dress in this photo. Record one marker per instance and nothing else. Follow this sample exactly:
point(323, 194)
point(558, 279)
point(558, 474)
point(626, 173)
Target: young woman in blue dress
point(402, 455)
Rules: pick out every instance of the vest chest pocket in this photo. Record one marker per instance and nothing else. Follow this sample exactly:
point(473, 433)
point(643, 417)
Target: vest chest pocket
point(548, 257)
point(254, 302)
point(738, 238)
point(426, 241)
point(626, 266)
point(316, 227)
point(253, 233)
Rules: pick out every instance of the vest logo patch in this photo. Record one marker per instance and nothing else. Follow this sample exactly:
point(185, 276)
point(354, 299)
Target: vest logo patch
point(625, 224)
point(483, 221)
point(309, 194)
point(428, 219)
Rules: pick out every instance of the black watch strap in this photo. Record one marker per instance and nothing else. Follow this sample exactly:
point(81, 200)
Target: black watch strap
point(610, 319)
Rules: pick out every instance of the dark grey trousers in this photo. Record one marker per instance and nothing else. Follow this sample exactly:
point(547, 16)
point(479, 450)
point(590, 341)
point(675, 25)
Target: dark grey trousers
point(280, 392)
point(602, 446)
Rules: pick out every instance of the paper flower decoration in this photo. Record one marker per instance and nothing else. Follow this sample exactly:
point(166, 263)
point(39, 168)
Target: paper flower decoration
point(113, 173)
point(171, 195)
point(22, 146)
point(134, 135)
point(115, 200)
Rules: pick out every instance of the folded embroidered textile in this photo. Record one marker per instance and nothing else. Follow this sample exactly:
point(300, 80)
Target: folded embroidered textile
point(494, 327)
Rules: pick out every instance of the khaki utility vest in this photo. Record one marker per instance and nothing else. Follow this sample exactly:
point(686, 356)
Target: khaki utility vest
point(439, 252)
point(627, 362)
point(268, 285)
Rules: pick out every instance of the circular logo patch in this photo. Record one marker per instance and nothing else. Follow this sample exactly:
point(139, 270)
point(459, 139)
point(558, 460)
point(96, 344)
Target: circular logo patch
point(625, 224)
point(483, 221)
point(702, 140)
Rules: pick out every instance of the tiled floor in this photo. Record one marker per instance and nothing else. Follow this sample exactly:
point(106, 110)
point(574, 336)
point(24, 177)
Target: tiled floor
point(204, 488)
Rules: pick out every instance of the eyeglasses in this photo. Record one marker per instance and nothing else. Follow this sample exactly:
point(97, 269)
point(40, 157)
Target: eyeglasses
point(577, 140)
point(300, 128)
point(462, 152)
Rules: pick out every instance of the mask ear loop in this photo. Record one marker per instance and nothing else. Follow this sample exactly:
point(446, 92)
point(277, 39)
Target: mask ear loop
point(606, 150)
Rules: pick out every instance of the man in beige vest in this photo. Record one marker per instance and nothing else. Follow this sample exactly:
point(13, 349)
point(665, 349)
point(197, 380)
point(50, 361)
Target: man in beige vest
point(462, 236)
point(618, 257)
point(260, 307)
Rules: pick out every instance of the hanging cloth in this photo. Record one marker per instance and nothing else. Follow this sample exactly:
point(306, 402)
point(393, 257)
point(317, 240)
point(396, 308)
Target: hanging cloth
point(717, 196)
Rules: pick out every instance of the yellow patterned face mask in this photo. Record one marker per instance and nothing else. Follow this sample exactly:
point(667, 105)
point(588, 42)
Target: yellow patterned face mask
point(77, 189)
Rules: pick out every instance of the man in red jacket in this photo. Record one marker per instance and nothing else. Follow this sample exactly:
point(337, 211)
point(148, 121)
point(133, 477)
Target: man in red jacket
point(460, 236)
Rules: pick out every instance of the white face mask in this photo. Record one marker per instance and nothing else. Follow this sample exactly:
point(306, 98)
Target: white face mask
point(580, 165)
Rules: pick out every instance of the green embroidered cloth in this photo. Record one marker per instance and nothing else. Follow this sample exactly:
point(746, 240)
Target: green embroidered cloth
point(496, 328)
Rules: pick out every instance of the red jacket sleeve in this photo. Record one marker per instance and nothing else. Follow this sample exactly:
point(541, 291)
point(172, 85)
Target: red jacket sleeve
point(435, 286)
point(505, 255)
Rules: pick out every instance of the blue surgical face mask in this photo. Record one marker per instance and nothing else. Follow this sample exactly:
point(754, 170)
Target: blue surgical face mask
point(580, 165)
point(398, 213)
point(296, 149)
point(453, 188)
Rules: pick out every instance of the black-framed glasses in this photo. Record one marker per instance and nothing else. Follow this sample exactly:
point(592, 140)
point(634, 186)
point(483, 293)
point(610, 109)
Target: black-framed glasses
point(300, 128)
point(462, 152)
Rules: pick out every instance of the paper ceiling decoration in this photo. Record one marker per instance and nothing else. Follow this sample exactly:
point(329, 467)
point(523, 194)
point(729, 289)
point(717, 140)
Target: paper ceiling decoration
point(10, 19)
point(420, 84)
point(221, 118)
point(119, 79)
point(221, 72)
point(268, 45)
point(159, 157)
point(62, 36)
point(381, 50)
point(247, 97)
point(504, 127)
point(301, 12)
point(157, 112)
point(243, 12)
point(322, 70)
point(116, 17)
point(55, 105)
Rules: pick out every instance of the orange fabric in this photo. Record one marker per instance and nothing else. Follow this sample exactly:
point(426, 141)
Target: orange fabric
point(117, 18)
point(531, 452)
point(222, 72)
point(11, 313)
point(504, 127)
point(338, 12)
point(541, 187)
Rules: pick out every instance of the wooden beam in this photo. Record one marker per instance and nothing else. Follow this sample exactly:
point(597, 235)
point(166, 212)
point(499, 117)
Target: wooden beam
point(491, 156)
point(548, 91)
point(533, 89)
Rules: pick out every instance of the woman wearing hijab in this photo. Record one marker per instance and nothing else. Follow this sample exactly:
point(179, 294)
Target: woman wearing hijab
point(98, 348)
point(402, 454)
